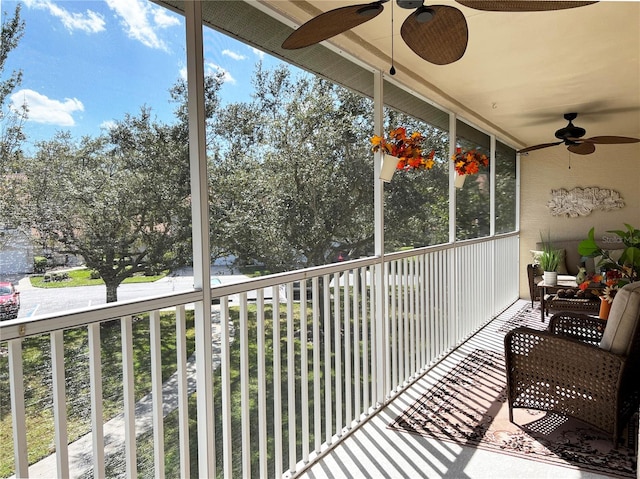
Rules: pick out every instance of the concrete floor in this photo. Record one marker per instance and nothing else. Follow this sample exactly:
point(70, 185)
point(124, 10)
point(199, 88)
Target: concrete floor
point(375, 451)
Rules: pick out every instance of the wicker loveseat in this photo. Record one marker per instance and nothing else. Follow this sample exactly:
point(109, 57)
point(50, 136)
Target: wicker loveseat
point(581, 366)
point(570, 264)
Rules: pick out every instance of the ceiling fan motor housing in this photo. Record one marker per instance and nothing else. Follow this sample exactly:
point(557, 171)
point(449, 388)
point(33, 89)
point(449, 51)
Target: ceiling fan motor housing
point(570, 131)
point(410, 4)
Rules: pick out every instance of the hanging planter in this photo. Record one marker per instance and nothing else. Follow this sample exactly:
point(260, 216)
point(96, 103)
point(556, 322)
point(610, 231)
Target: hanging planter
point(468, 163)
point(388, 167)
point(459, 181)
point(400, 152)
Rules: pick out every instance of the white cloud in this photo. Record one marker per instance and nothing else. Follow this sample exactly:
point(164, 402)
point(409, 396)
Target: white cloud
point(233, 55)
point(258, 53)
point(89, 22)
point(141, 19)
point(45, 110)
point(226, 75)
point(107, 124)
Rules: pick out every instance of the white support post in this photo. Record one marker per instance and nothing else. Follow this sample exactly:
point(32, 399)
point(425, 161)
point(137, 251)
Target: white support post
point(379, 314)
point(453, 199)
point(452, 178)
point(492, 214)
point(200, 235)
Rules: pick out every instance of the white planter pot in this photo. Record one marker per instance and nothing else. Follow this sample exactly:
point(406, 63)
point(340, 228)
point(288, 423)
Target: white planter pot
point(550, 278)
point(459, 181)
point(388, 168)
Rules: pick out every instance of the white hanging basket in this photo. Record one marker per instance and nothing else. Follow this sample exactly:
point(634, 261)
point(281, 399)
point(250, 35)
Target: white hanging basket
point(459, 181)
point(388, 168)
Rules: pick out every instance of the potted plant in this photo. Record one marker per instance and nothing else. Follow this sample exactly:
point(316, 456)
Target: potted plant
point(402, 152)
point(616, 273)
point(468, 163)
point(549, 261)
point(624, 270)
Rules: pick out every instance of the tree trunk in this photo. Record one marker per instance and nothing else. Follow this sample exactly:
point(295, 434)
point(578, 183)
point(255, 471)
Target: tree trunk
point(112, 292)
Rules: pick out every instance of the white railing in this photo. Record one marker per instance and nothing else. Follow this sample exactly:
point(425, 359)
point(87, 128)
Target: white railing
point(284, 390)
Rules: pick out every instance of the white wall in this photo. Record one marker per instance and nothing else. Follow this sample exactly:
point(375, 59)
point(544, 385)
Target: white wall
point(615, 167)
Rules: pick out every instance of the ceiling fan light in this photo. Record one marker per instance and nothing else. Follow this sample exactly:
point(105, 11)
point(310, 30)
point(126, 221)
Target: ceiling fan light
point(424, 15)
point(410, 4)
point(369, 10)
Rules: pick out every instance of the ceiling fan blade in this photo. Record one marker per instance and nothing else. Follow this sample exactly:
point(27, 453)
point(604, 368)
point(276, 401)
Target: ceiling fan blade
point(538, 147)
point(331, 23)
point(611, 140)
point(438, 34)
point(582, 148)
point(520, 6)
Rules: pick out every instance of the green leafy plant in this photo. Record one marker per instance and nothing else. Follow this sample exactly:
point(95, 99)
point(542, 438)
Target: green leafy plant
point(624, 270)
point(550, 258)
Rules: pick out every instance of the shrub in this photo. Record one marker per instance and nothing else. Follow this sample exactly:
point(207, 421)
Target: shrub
point(39, 264)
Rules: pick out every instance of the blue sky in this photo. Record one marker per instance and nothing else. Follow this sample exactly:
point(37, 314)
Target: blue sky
point(87, 63)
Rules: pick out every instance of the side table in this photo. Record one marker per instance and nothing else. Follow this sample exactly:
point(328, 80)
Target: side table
point(546, 290)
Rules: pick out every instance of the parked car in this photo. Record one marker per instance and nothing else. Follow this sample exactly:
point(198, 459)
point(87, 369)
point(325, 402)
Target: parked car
point(9, 301)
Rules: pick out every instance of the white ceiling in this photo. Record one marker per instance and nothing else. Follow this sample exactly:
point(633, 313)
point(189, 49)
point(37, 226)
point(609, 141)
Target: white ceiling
point(521, 71)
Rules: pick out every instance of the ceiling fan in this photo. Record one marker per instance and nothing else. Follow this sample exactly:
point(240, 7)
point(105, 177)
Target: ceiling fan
point(571, 136)
point(436, 33)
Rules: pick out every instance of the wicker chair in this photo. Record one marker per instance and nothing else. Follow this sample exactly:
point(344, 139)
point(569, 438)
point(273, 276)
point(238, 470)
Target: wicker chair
point(581, 366)
point(533, 277)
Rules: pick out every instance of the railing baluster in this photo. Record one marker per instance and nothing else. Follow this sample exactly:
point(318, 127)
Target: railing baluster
point(261, 358)
point(277, 385)
point(328, 409)
point(365, 342)
point(304, 371)
point(18, 417)
point(337, 352)
point(394, 325)
point(95, 381)
point(356, 341)
point(183, 400)
point(59, 403)
point(156, 393)
point(291, 379)
point(225, 379)
point(412, 317)
point(245, 400)
point(348, 380)
point(129, 396)
point(317, 424)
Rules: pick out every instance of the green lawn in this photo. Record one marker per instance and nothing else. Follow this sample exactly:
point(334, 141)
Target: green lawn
point(82, 277)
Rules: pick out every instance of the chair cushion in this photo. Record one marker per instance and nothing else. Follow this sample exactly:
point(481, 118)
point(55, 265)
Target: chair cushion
point(624, 314)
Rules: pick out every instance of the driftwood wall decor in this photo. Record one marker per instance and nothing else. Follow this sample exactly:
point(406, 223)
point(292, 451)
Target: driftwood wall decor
point(582, 201)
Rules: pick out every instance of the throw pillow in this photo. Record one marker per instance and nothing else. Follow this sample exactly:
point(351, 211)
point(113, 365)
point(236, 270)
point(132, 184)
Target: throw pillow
point(562, 267)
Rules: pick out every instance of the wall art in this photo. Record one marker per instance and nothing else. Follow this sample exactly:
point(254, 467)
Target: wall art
point(582, 201)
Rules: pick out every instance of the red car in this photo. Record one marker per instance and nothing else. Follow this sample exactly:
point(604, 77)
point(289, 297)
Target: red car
point(9, 301)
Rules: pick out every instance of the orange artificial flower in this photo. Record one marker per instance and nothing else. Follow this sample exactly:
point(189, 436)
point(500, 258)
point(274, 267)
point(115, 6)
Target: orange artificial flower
point(469, 162)
point(408, 150)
